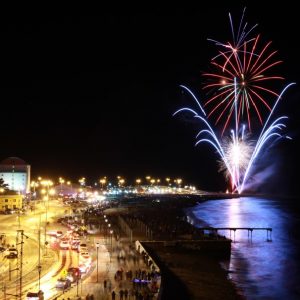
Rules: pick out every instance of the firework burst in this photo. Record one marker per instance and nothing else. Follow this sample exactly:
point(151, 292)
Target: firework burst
point(239, 90)
point(242, 70)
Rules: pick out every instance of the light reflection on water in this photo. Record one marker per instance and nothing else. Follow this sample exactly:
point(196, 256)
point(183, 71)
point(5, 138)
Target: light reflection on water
point(263, 270)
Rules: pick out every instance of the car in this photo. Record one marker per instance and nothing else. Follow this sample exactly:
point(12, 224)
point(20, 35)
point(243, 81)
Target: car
point(74, 246)
point(84, 268)
point(35, 296)
point(85, 255)
point(11, 253)
point(55, 233)
point(82, 248)
point(63, 284)
point(76, 240)
point(74, 274)
point(59, 233)
point(64, 244)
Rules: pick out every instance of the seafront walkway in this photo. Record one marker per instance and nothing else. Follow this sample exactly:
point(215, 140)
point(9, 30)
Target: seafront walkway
point(118, 266)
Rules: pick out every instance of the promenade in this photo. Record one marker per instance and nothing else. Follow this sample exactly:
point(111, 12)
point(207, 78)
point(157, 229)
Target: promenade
point(114, 274)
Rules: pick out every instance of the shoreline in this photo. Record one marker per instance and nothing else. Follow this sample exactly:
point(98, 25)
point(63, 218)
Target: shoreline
point(195, 275)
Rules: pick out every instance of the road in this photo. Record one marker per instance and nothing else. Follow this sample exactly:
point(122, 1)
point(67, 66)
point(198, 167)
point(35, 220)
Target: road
point(31, 223)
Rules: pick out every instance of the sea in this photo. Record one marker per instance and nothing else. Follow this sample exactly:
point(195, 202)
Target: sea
point(264, 267)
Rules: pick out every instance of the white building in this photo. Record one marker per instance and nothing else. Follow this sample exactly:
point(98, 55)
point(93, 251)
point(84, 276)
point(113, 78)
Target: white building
point(16, 173)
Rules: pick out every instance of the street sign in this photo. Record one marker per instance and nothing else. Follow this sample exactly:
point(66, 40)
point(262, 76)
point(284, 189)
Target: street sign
point(64, 273)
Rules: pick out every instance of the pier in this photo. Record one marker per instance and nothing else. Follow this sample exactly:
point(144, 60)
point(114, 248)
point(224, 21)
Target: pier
point(234, 229)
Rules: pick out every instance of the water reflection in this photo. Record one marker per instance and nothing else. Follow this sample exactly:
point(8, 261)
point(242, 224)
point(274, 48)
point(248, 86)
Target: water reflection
point(264, 270)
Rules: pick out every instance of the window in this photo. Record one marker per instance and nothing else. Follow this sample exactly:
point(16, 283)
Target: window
point(14, 200)
point(6, 200)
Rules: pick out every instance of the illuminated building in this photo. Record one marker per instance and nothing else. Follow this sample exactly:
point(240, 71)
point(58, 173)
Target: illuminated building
point(10, 202)
point(16, 174)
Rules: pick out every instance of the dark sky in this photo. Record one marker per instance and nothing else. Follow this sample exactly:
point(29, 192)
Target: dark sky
point(94, 95)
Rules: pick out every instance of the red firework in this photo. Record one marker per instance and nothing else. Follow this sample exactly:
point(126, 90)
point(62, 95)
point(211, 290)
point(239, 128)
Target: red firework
point(249, 66)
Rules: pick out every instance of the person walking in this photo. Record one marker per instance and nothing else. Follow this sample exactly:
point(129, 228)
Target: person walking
point(126, 294)
point(113, 295)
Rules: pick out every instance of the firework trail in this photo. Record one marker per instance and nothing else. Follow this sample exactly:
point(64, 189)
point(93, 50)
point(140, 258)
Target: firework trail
point(236, 152)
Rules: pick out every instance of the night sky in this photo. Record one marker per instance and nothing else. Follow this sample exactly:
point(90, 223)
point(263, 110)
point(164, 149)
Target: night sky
point(94, 95)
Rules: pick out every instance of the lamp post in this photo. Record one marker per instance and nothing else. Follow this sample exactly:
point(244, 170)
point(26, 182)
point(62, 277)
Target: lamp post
point(77, 279)
point(83, 189)
point(69, 183)
point(178, 181)
point(108, 225)
point(106, 232)
point(39, 270)
point(34, 185)
point(39, 266)
point(19, 219)
point(61, 181)
point(46, 198)
point(121, 182)
point(103, 182)
point(47, 184)
point(111, 233)
point(97, 247)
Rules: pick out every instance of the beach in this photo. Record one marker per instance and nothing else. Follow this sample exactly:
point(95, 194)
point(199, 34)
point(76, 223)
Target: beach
point(186, 273)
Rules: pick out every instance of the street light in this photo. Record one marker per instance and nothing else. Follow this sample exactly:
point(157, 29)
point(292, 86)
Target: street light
point(121, 181)
point(111, 232)
point(97, 246)
point(102, 181)
point(39, 270)
point(69, 183)
point(19, 219)
point(47, 184)
point(39, 266)
point(79, 274)
point(61, 181)
point(82, 181)
point(179, 181)
point(34, 185)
